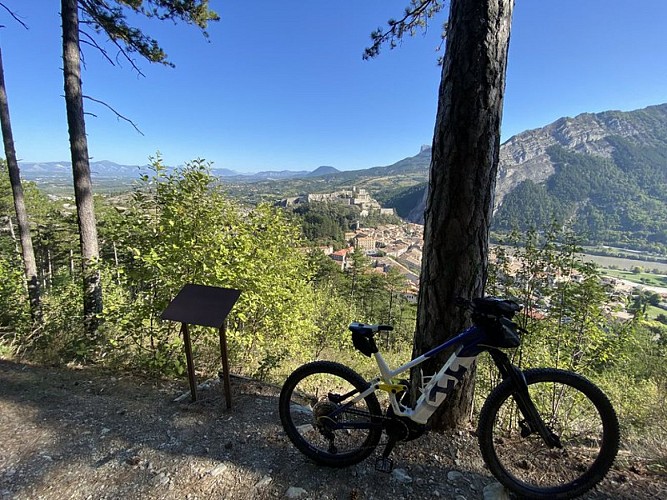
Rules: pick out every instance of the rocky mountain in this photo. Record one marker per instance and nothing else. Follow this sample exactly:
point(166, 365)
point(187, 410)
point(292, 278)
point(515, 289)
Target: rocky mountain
point(526, 156)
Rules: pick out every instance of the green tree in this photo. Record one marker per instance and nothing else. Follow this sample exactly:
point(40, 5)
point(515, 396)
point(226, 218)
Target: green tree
point(27, 251)
point(563, 301)
point(83, 190)
point(359, 265)
point(182, 228)
point(105, 17)
point(639, 302)
point(569, 324)
point(325, 223)
point(14, 310)
point(325, 271)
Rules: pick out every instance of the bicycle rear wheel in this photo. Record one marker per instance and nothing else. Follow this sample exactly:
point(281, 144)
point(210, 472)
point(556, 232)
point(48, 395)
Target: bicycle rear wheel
point(317, 416)
point(571, 407)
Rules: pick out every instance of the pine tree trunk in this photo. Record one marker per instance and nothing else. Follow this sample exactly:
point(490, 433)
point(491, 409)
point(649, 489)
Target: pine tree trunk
point(83, 191)
point(463, 170)
point(27, 251)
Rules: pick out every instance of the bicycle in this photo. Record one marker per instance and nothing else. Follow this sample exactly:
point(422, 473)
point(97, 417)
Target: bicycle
point(543, 433)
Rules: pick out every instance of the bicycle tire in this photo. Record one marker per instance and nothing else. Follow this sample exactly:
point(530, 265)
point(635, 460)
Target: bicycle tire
point(305, 402)
point(586, 424)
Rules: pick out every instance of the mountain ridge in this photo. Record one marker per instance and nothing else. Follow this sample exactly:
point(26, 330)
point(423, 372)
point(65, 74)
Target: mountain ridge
point(526, 151)
point(605, 173)
point(110, 169)
point(525, 157)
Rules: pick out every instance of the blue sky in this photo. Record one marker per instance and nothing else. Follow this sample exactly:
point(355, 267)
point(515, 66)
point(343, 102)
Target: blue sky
point(282, 85)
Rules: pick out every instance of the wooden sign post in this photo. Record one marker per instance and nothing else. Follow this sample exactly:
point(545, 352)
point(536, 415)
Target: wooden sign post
point(205, 306)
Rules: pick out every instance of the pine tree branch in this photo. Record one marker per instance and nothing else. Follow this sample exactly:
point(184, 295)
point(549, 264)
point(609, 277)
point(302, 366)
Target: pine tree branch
point(118, 115)
point(91, 41)
point(15, 16)
point(415, 17)
point(121, 51)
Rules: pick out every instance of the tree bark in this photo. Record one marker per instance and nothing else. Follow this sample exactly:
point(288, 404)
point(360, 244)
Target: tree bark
point(83, 190)
point(462, 179)
point(27, 251)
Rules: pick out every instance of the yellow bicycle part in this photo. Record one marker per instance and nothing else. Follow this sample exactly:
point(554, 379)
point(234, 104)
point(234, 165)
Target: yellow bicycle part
point(393, 388)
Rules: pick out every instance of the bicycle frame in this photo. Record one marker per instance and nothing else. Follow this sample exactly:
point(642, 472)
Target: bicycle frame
point(436, 388)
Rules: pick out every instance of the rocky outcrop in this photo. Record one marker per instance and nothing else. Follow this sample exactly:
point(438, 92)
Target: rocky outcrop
point(524, 156)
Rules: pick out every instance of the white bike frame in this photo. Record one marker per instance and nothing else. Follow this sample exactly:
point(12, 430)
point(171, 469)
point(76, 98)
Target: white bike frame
point(434, 389)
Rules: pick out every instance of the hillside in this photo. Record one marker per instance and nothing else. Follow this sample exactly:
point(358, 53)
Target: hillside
point(78, 433)
point(526, 155)
point(383, 181)
point(604, 173)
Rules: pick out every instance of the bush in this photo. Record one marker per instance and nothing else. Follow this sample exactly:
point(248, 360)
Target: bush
point(15, 328)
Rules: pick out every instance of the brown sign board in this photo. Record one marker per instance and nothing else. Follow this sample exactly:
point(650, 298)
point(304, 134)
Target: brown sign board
point(204, 306)
point(201, 305)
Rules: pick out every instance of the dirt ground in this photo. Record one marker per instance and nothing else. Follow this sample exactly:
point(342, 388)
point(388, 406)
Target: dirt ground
point(83, 433)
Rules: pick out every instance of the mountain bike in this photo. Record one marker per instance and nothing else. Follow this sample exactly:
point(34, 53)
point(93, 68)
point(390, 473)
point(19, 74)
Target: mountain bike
point(543, 433)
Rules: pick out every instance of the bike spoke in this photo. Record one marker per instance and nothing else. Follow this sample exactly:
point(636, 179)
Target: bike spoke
point(322, 420)
point(572, 409)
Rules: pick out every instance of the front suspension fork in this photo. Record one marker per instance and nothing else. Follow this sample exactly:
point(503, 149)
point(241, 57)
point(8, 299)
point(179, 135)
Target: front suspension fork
point(532, 420)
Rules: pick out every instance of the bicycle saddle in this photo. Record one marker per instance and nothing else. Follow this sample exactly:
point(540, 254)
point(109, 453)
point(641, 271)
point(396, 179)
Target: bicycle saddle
point(368, 330)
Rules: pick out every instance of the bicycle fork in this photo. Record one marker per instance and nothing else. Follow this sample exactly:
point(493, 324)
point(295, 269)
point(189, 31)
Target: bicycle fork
point(532, 420)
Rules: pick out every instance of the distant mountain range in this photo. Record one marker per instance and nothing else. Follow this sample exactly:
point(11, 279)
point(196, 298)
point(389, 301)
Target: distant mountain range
point(63, 169)
point(108, 170)
point(605, 173)
point(270, 175)
point(522, 157)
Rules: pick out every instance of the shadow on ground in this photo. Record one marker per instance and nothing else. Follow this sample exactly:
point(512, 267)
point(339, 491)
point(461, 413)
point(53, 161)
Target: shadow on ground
point(87, 433)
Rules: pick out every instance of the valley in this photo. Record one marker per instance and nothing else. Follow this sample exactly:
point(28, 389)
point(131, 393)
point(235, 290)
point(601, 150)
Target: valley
point(604, 175)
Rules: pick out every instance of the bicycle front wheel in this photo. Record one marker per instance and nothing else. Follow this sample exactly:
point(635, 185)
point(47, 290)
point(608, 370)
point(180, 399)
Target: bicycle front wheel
point(571, 407)
point(318, 415)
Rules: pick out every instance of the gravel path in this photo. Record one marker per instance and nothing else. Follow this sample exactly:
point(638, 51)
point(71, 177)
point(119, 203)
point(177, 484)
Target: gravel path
point(70, 433)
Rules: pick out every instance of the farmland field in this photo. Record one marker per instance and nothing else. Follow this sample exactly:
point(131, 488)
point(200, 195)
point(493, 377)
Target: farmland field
point(640, 278)
point(624, 264)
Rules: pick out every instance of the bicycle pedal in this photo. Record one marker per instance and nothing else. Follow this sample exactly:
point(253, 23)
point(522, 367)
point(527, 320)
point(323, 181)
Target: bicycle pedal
point(384, 464)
